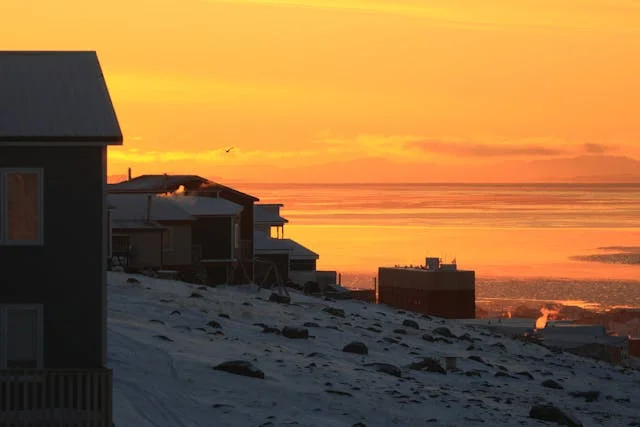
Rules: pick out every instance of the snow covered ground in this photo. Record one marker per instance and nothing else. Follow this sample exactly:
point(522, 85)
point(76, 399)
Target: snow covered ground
point(163, 351)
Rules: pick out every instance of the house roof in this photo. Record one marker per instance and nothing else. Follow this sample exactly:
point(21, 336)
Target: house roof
point(206, 206)
point(300, 252)
point(166, 183)
point(50, 96)
point(263, 243)
point(265, 216)
point(157, 183)
point(216, 186)
point(134, 207)
point(135, 224)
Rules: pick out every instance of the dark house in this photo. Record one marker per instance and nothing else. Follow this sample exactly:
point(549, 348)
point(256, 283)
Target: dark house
point(56, 121)
point(149, 232)
point(195, 185)
point(215, 235)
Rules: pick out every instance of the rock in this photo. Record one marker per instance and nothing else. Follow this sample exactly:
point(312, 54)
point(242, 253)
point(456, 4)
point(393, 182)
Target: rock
point(281, 299)
point(444, 331)
point(156, 321)
point(410, 324)
point(338, 312)
point(224, 315)
point(133, 280)
point(247, 304)
point(477, 359)
point(163, 338)
point(240, 367)
point(294, 332)
point(359, 425)
point(400, 331)
point(372, 329)
point(202, 288)
point(426, 316)
point(339, 393)
point(390, 340)
point(387, 368)
point(525, 374)
point(175, 313)
point(553, 414)
point(356, 347)
point(428, 337)
point(429, 365)
point(214, 324)
point(465, 337)
point(165, 300)
point(311, 325)
point(498, 345)
point(270, 330)
point(195, 295)
point(552, 384)
point(589, 396)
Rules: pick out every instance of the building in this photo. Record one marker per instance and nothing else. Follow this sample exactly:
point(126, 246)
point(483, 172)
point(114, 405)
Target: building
point(295, 262)
point(194, 185)
point(586, 340)
point(150, 232)
point(215, 237)
point(437, 289)
point(56, 121)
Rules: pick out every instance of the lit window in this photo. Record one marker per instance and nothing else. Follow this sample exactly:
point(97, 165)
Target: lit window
point(21, 207)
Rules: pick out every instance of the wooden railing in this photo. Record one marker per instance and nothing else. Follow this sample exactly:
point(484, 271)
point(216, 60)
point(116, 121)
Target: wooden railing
point(55, 397)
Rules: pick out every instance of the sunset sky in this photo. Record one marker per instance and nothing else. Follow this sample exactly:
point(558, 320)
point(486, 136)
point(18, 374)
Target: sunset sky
point(359, 90)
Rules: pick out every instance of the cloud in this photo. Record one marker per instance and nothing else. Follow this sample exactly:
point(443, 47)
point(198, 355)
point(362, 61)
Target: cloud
point(487, 150)
point(595, 148)
point(608, 15)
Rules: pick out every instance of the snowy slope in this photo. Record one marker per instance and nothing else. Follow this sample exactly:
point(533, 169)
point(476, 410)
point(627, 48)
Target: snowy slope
point(312, 382)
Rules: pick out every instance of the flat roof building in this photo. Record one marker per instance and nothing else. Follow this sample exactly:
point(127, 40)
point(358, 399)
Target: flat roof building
point(435, 289)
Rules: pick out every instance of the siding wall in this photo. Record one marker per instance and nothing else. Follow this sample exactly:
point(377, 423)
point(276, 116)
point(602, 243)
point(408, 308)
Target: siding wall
point(66, 274)
point(180, 255)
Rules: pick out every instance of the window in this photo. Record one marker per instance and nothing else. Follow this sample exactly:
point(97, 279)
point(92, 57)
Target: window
point(21, 206)
point(21, 336)
point(167, 239)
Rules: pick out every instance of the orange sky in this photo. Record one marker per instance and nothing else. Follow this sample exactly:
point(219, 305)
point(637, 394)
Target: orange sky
point(359, 90)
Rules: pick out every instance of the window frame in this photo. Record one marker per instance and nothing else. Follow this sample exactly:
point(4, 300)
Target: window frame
point(4, 207)
point(4, 309)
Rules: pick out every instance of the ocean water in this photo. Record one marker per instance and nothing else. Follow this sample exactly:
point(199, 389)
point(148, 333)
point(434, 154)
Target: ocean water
point(567, 242)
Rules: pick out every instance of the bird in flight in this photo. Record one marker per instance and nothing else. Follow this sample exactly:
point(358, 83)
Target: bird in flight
point(228, 149)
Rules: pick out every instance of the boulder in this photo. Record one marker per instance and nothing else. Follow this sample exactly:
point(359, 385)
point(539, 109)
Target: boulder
point(338, 312)
point(552, 414)
point(356, 347)
point(428, 364)
point(410, 324)
point(281, 299)
point(240, 367)
point(295, 332)
point(444, 331)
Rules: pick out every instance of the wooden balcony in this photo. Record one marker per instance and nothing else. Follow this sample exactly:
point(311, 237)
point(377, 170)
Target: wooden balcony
point(56, 397)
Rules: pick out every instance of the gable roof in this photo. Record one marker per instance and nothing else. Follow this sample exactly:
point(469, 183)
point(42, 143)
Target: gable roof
point(130, 207)
point(157, 183)
point(49, 97)
point(206, 206)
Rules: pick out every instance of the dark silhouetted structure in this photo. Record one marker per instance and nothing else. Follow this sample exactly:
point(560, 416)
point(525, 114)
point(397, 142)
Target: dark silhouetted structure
point(438, 289)
point(56, 121)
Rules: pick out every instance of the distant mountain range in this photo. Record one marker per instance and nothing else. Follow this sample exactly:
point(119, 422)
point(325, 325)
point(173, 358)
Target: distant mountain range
point(583, 169)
